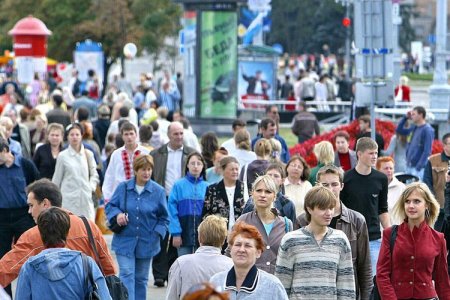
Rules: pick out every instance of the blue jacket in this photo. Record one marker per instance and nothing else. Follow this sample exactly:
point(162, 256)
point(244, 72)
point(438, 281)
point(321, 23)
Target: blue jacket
point(284, 148)
point(57, 273)
point(147, 219)
point(420, 142)
point(185, 208)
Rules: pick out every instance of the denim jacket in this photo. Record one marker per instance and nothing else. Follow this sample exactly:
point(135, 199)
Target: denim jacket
point(147, 219)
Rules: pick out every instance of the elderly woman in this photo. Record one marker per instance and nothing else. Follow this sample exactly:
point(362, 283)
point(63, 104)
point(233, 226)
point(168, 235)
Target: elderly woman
point(226, 198)
point(267, 220)
point(45, 156)
point(386, 165)
point(296, 185)
point(186, 204)
point(416, 267)
point(325, 155)
point(138, 204)
point(76, 175)
point(245, 280)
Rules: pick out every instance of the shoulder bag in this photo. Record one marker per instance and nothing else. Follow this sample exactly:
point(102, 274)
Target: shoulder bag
point(117, 289)
point(92, 289)
point(112, 223)
point(375, 295)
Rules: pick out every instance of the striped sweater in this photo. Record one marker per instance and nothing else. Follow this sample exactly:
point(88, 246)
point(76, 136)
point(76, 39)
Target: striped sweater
point(308, 270)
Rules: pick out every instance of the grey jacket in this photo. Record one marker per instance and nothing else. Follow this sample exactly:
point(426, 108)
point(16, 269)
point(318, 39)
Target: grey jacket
point(353, 224)
point(353, 159)
point(268, 258)
point(160, 162)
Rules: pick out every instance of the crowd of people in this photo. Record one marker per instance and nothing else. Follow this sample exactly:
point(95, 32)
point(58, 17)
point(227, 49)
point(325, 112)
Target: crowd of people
point(245, 216)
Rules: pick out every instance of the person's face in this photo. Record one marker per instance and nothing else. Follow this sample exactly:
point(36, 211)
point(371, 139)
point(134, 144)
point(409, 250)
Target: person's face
point(276, 176)
point(321, 217)
point(331, 182)
point(258, 75)
point(143, 174)
point(244, 252)
point(446, 144)
point(231, 171)
point(273, 113)
point(363, 126)
point(195, 166)
point(237, 128)
point(129, 137)
point(415, 206)
point(217, 159)
point(8, 129)
point(388, 169)
point(34, 207)
point(40, 123)
point(176, 117)
point(415, 116)
point(369, 157)
point(262, 196)
point(295, 169)
point(341, 144)
point(269, 132)
point(55, 137)
point(74, 137)
point(176, 136)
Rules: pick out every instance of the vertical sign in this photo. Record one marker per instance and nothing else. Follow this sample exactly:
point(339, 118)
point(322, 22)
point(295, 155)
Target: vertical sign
point(218, 61)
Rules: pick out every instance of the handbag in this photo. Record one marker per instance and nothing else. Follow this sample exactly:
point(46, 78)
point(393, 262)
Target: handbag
point(117, 289)
point(112, 223)
point(92, 288)
point(375, 295)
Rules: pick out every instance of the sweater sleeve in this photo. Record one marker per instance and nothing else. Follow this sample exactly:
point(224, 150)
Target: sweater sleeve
point(345, 280)
point(427, 145)
point(401, 127)
point(108, 182)
point(285, 265)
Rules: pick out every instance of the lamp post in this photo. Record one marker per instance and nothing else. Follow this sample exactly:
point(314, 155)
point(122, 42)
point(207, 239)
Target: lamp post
point(440, 90)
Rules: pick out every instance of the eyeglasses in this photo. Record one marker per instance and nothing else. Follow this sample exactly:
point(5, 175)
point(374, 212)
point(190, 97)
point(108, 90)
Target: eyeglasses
point(327, 185)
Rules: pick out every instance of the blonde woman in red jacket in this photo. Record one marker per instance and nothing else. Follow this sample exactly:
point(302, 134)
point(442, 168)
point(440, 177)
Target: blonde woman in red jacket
point(419, 255)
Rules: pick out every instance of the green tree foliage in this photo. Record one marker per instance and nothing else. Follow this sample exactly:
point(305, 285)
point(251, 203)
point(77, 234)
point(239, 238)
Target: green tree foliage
point(306, 25)
point(110, 22)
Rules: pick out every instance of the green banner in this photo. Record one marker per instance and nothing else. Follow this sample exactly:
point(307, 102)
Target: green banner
point(218, 59)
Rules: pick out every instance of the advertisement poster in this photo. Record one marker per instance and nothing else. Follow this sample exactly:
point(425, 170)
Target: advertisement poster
point(256, 80)
point(218, 60)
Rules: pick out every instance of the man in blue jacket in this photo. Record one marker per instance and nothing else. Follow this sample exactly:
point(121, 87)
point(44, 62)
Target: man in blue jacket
point(268, 131)
point(421, 136)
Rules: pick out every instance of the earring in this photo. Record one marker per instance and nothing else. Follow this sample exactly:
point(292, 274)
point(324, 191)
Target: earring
point(427, 214)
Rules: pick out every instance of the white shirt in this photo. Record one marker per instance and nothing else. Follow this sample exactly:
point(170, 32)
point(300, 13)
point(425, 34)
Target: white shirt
point(230, 196)
point(229, 145)
point(115, 172)
point(173, 168)
point(243, 156)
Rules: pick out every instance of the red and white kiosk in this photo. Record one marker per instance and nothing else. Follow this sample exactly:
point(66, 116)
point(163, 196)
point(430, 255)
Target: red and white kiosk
point(30, 47)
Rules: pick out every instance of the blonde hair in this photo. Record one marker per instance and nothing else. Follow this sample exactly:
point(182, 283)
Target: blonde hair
point(324, 152)
point(213, 231)
point(242, 139)
point(430, 200)
point(276, 150)
point(268, 182)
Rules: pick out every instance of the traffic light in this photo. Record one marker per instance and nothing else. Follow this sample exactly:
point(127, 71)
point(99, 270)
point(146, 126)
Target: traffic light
point(346, 22)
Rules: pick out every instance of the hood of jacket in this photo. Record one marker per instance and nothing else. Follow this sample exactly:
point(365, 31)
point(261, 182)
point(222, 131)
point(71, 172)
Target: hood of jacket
point(55, 263)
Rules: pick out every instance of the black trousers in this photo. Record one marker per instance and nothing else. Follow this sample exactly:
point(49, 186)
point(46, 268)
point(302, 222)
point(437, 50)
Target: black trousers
point(166, 257)
point(13, 222)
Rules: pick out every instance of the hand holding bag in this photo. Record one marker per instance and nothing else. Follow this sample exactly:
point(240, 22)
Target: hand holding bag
point(113, 225)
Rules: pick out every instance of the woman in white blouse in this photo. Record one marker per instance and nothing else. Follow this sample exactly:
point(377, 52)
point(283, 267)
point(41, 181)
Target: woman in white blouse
point(296, 185)
point(76, 174)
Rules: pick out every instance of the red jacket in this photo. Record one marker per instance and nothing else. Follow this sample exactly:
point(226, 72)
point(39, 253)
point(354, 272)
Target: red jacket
point(406, 92)
point(419, 257)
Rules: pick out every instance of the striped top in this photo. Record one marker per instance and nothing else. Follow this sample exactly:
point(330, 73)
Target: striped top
point(308, 270)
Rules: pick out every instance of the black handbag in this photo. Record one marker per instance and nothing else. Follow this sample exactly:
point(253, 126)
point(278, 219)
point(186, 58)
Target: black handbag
point(112, 223)
point(117, 289)
point(375, 295)
point(89, 283)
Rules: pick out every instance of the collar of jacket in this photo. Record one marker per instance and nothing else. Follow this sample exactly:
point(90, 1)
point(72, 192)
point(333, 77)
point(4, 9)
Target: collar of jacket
point(193, 179)
point(72, 151)
point(131, 184)
point(344, 213)
point(209, 249)
point(250, 282)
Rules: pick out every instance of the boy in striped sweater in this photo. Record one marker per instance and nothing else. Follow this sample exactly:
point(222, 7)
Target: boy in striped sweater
point(315, 262)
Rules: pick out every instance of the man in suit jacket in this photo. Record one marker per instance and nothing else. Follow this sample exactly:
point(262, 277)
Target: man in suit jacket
point(170, 160)
point(256, 86)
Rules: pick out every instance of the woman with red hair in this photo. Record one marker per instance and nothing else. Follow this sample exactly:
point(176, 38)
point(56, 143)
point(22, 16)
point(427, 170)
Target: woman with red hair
point(245, 279)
